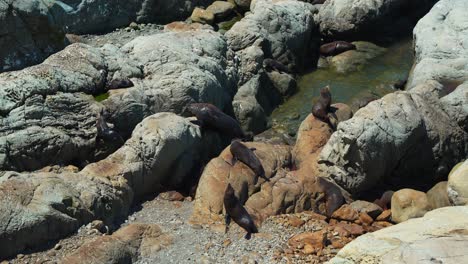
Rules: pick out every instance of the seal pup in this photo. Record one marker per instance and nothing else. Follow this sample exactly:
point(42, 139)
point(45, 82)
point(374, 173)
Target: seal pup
point(118, 83)
point(336, 47)
point(106, 133)
point(211, 116)
point(237, 212)
point(334, 198)
point(321, 109)
point(274, 65)
point(247, 156)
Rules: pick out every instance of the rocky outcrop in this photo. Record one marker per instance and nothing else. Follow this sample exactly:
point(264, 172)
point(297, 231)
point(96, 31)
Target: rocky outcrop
point(281, 30)
point(125, 245)
point(353, 60)
point(441, 58)
point(369, 19)
point(411, 136)
point(38, 207)
point(457, 185)
point(28, 35)
point(438, 236)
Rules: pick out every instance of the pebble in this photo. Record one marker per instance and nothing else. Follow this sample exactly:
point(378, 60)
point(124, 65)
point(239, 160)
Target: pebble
point(58, 247)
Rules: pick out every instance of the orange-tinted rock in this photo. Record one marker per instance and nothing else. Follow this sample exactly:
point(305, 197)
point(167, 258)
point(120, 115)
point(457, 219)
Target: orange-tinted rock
point(365, 219)
point(310, 242)
point(385, 215)
point(172, 196)
point(345, 229)
point(295, 221)
point(346, 213)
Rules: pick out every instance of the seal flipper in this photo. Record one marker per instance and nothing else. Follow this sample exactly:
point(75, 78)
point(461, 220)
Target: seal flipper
point(227, 222)
point(253, 149)
point(248, 236)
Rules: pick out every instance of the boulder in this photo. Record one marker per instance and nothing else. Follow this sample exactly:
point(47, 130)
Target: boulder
point(369, 19)
point(280, 30)
point(221, 9)
point(440, 235)
point(128, 243)
point(441, 58)
point(408, 203)
point(202, 16)
point(405, 136)
point(243, 4)
point(353, 60)
point(29, 34)
point(457, 185)
point(437, 196)
point(369, 208)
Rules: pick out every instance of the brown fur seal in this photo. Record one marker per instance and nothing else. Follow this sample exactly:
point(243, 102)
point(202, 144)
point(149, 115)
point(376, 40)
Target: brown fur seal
point(274, 65)
point(336, 47)
point(237, 212)
point(334, 198)
point(210, 116)
point(321, 109)
point(106, 133)
point(385, 202)
point(119, 83)
point(246, 155)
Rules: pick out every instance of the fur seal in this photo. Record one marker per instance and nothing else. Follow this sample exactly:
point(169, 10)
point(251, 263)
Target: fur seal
point(237, 212)
point(246, 155)
point(336, 47)
point(106, 133)
point(118, 83)
point(334, 198)
point(321, 109)
point(211, 116)
point(274, 65)
point(318, 2)
point(385, 202)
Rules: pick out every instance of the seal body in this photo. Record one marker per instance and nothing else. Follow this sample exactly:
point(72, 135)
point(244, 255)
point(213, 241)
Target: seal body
point(119, 83)
point(106, 133)
point(321, 109)
point(274, 65)
point(210, 116)
point(246, 155)
point(334, 198)
point(335, 48)
point(237, 212)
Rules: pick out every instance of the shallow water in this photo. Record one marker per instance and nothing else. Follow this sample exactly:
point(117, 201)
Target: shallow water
point(375, 78)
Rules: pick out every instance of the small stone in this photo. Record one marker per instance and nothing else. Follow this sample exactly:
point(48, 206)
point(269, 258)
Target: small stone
point(202, 16)
point(227, 242)
point(97, 224)
point(365, 219)
point(58, 247)
point(296, 221)
point(134, 26)
point(172, 196)
point(347, 213)
point(385, 215)
point(20, 256)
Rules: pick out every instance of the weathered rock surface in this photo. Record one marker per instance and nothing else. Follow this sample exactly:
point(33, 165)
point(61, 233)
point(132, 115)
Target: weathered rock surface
point(411, 136)
point(39, 207)
point(125, 245)
point(353, 60)
point(457, 185)
point(200, 15)
point(440, 235)
point(437, 196)
point(443, 58)
point(369, 19)
point(284, 31)
point(408, 203)
point(221, 9)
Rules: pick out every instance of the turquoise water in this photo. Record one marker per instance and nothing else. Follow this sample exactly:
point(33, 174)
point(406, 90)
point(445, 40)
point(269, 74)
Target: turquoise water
point(375, 78)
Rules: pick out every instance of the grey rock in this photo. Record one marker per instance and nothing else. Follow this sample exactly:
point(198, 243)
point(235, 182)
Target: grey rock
point(369, 208)
point(404, 136)
point(353, 60)
point(369, 19)
point(441, 58)
point(439, 236)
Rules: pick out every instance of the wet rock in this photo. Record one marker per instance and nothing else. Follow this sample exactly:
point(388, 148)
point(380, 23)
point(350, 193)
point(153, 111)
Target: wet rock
point(221, 9)
point(439, 235)
point(457, 185)
point(394, 139)
point(353, 60)
point(128, 243)
point(202, 16)
point(408, 203)
point(347, 19)
point(371, 209)
point(437, 196)
point(439, 58)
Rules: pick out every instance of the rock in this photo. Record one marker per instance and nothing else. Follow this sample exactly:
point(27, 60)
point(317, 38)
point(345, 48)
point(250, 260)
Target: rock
point(221, 9)
point(202, 16)
point(172, 196)
point(179, 26)
point(371, 209)
point(284, 83)
point(365, 219)
point(347, 19)
point(385, 215)
point(134, 26)
point(29, 35)
point(439, 58)
point(347, 229)
point(274, 137)
point(311, 242)
point(342, 112)
point(353, 60)
point(125, 244)
point(98, 225)
point(243, 4)
point(408, 203)
point(346, 213)
point(394, 139)
point(437, 196)
point(439, 235)
point(457, 185)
